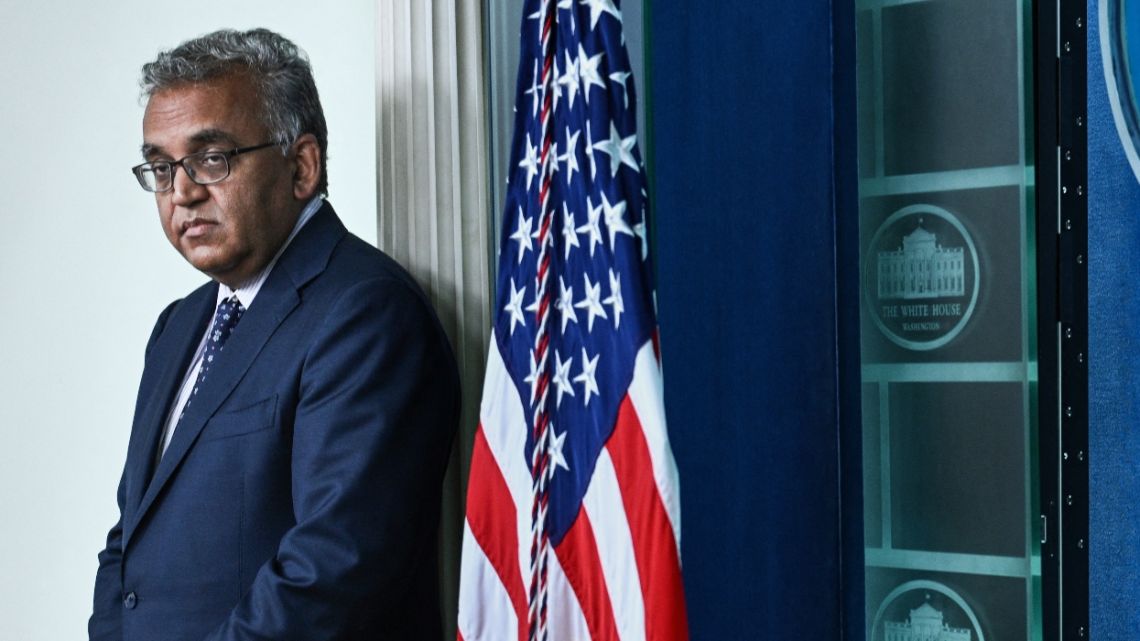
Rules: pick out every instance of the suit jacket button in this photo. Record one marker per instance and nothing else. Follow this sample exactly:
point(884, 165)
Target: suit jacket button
point(130, 601)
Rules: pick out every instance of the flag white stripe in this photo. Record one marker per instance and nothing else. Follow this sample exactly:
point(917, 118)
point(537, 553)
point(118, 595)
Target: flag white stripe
point(565, 620)
point(603, 503)
point(485, 608)
point(504, 426)
point(647, 396)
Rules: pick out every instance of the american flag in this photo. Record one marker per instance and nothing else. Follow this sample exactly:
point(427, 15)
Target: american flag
point(573, 520)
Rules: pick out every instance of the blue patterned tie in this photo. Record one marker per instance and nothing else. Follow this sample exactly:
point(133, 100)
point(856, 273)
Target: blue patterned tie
point(229, 313)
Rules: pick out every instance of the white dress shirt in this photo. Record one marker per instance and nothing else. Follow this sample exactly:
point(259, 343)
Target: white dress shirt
point(245, 293)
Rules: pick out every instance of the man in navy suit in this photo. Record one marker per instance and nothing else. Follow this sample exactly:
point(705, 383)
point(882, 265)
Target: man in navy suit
point(295, 413)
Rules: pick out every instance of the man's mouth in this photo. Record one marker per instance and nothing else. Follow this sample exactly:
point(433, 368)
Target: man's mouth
point(196, 227)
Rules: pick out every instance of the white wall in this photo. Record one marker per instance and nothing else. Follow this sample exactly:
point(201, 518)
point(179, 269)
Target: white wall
point(84, 267)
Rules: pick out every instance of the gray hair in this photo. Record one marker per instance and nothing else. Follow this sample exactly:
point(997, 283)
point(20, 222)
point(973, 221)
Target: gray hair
point(280, 70)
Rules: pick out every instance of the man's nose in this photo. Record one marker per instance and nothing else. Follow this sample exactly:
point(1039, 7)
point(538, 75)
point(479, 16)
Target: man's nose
point(186, 191)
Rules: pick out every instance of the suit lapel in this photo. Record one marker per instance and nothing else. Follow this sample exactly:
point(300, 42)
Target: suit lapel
point(304, 259)
point(172, 355)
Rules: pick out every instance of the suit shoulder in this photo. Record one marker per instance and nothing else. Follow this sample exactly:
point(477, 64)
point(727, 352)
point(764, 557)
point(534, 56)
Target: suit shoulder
point(160, 324)
point(356, 263)
point(363, 278)
point(173, 308)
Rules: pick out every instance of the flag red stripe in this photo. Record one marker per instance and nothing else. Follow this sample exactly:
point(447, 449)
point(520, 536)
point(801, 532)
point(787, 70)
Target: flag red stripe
point(655, 549)
point(578, 555)
point(491, 516)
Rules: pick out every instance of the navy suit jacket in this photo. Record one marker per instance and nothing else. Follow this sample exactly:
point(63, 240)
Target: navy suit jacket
point(300, 494)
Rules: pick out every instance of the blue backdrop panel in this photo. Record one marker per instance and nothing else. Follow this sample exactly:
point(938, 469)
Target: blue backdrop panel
point(758, 339)
point(1114, 367)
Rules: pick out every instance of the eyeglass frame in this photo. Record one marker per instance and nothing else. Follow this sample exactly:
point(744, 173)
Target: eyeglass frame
point(137, 170)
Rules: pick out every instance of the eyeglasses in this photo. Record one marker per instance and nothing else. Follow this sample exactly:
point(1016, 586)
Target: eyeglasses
point(204, 168)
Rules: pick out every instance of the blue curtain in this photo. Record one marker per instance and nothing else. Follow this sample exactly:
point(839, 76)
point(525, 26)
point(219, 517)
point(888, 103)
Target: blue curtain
point(755, 216)
point(1114, 366)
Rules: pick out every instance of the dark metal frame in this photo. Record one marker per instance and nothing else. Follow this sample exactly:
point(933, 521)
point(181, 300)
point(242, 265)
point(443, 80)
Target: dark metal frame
point(1060, 65)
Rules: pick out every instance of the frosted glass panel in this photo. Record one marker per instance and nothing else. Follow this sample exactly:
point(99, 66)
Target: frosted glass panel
point(948, 351)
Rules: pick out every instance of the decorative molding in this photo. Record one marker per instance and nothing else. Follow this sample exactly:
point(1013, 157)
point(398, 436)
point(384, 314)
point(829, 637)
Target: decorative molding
point(433, 201)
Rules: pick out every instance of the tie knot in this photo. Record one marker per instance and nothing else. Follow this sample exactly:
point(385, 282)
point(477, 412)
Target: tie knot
point(229, 313)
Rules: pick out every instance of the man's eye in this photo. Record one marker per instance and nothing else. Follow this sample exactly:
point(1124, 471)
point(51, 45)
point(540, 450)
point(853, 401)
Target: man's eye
point(160, 169)
point(212, 160)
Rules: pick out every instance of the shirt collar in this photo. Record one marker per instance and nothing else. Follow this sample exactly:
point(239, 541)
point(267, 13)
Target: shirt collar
point(247, 291)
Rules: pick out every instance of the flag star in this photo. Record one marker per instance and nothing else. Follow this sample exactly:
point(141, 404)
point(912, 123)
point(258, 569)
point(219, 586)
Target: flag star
point(571, 155)
point(588, 377)
point(532, 378)
point(534, 91)
point(620, 78)
point(533, 307)
point(598, 7)
point(588, 71)
point(568, 231)
point(556, 160)
point(514, 306)
point(592, 302)
point(570, 78)
point(615, 220)
point(522, 234)
point(555, 87)
point(552, 167)
point(590, 152)
point(620, 149)
point(540, 16)
point(594, 215)
point(569, 6)
point(562, 378)
point(557, 458)
point(565, 304)
point(614, 299)
point(530, 162)
point(639, 230)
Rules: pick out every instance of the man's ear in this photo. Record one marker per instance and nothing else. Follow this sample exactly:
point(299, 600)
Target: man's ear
point(307, 171)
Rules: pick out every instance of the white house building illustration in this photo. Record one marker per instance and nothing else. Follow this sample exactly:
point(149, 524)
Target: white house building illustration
point(921, 268)
point(925, 623)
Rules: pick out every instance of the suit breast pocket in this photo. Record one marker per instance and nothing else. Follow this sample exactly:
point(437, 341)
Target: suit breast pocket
point(238, 422)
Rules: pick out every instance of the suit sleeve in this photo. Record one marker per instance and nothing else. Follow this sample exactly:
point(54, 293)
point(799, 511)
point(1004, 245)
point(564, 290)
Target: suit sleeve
point(374, 425)
point(106, 622)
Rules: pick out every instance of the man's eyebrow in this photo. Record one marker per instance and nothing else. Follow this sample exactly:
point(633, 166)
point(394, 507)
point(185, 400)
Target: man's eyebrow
point(204, 137)
point(150, 151)
point(207, 136)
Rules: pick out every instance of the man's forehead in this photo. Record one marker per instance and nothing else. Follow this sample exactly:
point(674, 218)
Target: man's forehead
point(208, 98)
point(219, 110)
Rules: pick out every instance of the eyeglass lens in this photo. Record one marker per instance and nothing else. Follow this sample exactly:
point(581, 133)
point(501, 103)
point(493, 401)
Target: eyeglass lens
point(203, 168)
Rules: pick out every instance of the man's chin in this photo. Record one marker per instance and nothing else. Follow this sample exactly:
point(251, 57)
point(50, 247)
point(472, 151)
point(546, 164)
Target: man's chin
point(208, 262)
